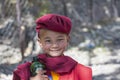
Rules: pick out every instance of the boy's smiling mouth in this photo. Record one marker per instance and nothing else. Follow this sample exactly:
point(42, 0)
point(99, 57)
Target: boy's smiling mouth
point(55, 49)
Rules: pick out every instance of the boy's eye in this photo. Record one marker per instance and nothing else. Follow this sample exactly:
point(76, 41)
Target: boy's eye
point(60, 39)
point(47, 40)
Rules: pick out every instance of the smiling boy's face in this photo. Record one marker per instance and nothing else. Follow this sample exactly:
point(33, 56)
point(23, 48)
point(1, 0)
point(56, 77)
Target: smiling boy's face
point(53, 43)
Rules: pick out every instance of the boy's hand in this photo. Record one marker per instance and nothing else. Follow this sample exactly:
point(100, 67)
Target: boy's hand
point(40, 76)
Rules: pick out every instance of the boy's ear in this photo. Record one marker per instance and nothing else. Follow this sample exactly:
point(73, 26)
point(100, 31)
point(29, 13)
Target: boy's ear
point(39, 41)
point(68, 39)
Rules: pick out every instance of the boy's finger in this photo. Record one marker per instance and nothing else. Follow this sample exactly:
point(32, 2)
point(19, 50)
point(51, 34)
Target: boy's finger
point(41, 72)
point(45, 76)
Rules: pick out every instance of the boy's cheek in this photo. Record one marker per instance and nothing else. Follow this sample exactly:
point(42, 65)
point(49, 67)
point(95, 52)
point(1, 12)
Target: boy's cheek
point(64, 44)
point(46, 47)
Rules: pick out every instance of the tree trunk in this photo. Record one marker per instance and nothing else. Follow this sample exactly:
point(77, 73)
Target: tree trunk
point(64, 7)
point(20, 29)
point(2, 8)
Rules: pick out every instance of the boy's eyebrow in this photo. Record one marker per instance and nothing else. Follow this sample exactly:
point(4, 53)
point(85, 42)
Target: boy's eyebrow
point(47, 38)
point(60, 36)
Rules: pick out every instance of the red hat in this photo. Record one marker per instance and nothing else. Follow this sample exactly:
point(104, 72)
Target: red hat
point(54, 22)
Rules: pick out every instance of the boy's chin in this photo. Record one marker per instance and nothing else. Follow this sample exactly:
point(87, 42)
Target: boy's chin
point(54, 55)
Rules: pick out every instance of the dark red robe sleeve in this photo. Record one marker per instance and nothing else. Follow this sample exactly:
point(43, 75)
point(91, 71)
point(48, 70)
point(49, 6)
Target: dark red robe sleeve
point(22, 72)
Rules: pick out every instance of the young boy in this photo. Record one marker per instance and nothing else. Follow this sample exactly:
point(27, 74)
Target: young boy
point(53, 36)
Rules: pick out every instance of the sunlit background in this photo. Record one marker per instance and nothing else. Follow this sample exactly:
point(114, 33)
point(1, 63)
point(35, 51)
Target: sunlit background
point(95, 35)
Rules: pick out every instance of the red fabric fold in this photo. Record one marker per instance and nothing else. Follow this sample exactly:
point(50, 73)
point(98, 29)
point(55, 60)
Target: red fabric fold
point(61, 64)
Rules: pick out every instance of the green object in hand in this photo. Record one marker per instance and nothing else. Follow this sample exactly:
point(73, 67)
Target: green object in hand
point(36, 66)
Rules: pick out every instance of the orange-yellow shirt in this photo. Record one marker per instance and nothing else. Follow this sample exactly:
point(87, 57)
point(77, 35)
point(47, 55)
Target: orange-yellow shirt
point(55, 76)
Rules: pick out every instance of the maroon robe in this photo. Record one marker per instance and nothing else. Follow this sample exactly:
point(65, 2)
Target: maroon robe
point(64, 65)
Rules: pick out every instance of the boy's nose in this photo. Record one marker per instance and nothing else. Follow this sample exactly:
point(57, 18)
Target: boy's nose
point(55, 44)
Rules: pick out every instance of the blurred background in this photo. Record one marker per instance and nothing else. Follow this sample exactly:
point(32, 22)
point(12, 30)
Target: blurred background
point(95, 35)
